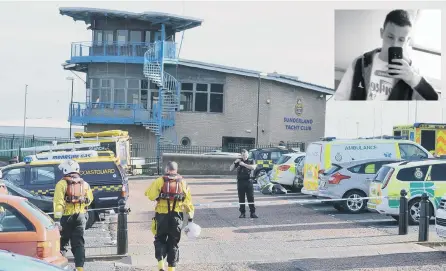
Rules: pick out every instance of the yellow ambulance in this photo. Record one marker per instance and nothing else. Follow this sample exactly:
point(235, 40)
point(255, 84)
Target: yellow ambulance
point(320, 155)
point(431, 136)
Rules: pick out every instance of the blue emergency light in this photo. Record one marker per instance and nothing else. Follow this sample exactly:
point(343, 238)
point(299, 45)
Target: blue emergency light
point(28, 159)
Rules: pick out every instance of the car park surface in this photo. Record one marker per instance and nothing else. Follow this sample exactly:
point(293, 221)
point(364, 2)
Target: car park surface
point(26, 230)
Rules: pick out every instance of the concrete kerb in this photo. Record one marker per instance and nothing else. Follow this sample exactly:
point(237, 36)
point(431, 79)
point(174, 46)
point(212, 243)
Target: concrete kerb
point(148, 177)
point(101, 258)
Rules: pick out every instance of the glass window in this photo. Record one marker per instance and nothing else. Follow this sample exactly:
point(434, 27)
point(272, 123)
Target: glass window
point(187, 86)
point(201, 102)
point(332, 169)
point(413, 174)
point(148, 37)
point(217, 88)
point(216, 103)
point(95, 83)
point(144, 96)
point(45, 219)
point(95, 94)
point(122, 36)
point(133, 83)
point(382, 174)
point(11, 220)
point(119, 96)
point(409, 151)
point(132, 96)
point(283, 159)
point(97, 37)
point(119, 83)
point(186, 101)
point(43, 175)
point(427, 29)
point(108, 37)
point(202, 87)
point(144, 84)
point(438, 172)
point(15, 175)
point(275, 156)
point(135, 36)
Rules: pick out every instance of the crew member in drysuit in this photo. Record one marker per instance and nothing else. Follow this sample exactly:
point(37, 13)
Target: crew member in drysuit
point(173, 198)
point(72, 196)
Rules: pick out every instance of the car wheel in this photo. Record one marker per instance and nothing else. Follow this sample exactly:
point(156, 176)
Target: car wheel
point(354, 204)
point(91, 219)
point(415, 211)
point(296, 188)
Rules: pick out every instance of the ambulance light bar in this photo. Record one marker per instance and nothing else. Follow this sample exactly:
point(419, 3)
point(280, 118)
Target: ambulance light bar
point(70, 146)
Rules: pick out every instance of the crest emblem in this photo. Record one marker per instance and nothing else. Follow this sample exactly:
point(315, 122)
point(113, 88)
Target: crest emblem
point(299, 107)
point(418, 173)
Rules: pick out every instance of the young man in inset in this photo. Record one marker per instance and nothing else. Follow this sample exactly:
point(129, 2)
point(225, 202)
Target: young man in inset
point(245, 185)
point(368, 78)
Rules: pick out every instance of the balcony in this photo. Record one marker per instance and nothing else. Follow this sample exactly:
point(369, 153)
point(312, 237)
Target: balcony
point(117, 52)
point(115, 113)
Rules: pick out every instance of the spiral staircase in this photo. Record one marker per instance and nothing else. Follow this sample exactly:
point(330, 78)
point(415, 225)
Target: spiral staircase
point(162, 113)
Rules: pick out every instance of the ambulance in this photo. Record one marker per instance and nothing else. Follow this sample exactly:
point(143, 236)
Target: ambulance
point(320, 155)
point(431, 136)
point(117, 141)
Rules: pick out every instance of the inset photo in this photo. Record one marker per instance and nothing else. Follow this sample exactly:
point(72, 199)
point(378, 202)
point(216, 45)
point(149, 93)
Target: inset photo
point(388, 55)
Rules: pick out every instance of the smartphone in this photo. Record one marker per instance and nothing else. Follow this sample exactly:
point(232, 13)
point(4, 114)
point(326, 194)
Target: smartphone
point(395, 53)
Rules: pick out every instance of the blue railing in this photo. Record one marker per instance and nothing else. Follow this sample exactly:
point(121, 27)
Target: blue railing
point(116, 113)
point(130, 52)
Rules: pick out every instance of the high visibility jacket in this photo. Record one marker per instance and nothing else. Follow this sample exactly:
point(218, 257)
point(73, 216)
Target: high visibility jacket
point(61, 207)
point(154, 190)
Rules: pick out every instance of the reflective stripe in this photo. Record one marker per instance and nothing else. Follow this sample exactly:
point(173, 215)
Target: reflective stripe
point(58, 214)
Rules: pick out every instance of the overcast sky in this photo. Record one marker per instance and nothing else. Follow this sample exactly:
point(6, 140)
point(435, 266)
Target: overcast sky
point(292, 38)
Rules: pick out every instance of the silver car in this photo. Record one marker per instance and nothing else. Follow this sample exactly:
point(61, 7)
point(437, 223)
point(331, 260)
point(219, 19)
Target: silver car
point(350, 180)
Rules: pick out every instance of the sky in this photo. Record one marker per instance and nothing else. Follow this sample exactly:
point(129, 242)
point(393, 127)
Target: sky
point(287, 37)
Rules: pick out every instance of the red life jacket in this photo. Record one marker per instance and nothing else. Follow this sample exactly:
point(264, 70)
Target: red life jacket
point(172, 189)
point(76, 189)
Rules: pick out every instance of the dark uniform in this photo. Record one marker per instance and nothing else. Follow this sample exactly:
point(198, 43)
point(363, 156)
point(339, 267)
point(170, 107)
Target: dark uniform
point(245, 187)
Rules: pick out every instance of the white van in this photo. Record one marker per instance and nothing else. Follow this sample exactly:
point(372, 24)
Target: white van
point(320, 155)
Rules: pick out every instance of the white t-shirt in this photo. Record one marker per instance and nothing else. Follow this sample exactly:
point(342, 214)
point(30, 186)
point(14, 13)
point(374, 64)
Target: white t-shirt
point(380, 84)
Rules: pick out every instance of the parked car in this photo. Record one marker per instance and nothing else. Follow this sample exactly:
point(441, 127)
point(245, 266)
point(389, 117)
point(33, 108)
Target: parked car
point(265, 158)
point(288, 171)
point(12, 261)
point(440, 218)
point(43, 202)
point(26, 230)
point(350, 180)
point(416, 177)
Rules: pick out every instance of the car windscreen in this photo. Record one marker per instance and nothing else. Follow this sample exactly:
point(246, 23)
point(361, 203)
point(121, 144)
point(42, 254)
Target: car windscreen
point(283, 159)
point(381, 174)
point(18, 190)
point(39, 214)
point(332, 169)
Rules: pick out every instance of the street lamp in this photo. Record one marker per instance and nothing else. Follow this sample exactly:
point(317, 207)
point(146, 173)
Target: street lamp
point(258, 105)
point(71, 101)
point(24, 117)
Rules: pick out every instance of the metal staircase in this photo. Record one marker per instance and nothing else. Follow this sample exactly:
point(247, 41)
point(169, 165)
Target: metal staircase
point(163, 113)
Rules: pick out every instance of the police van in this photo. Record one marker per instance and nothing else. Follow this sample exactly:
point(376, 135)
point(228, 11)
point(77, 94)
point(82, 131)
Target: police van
point(106, 177)
point(320, 155)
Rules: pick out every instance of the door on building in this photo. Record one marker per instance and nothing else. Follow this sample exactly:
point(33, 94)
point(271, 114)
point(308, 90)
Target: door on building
point(236, 144)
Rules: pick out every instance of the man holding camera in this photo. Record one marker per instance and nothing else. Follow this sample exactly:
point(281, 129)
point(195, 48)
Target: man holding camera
point(372, 77)
point(245, 185)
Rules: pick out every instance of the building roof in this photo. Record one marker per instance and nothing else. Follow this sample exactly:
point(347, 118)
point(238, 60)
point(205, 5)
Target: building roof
point(176, 22)
point(286, 79)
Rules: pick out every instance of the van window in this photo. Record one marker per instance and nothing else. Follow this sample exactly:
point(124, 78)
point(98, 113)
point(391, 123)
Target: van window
point(411, 151)
point(382, 173)
point(43, 175)
point(15, 175)
point(438, 172)
point(412, 174)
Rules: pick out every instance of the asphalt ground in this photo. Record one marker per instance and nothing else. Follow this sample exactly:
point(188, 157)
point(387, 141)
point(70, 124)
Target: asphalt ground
point(286, 236)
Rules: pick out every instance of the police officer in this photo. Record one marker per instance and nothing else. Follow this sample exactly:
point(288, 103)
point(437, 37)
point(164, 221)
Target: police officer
point(245, 185)
point(173, 198)
point(72, 196)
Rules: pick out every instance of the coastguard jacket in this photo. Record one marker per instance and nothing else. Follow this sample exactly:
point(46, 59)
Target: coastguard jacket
point(154, 190)
point(61, 207)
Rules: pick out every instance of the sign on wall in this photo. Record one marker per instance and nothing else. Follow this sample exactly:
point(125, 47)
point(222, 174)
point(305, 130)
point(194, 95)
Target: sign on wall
point(299, 123)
